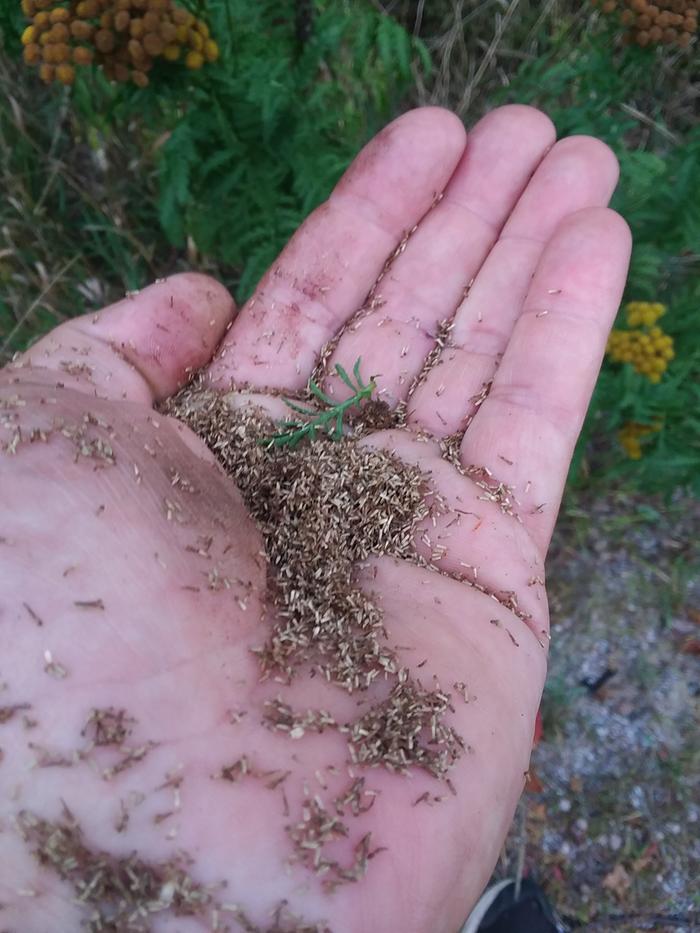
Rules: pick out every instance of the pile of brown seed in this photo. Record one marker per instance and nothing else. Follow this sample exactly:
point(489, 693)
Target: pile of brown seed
point(407, 730)
point(123, 893)
point(321, 508)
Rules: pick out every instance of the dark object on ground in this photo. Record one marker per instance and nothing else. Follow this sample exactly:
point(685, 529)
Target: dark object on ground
point(499, 911)
point(593, 685)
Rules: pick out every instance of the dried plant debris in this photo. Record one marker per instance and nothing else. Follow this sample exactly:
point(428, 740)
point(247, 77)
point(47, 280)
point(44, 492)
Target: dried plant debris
point(237, 770)
point(407, 730)
point(356, 798)
point(90, 437)
point(321, 508)
point(126, 894)
point(280, 717)
point(129, 758)
point(319, 827)
point(123, 894)
point(283, 921)
point(443, 339)
point(494, 491)
point(374, 415)
point(108, 726)
point(8, 712)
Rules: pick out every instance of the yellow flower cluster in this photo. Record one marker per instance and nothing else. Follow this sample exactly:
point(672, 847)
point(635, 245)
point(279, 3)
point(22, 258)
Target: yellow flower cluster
point(123, 37)
point(671, 22)
point(644, 313)
point(648, 349)
point(630, 434)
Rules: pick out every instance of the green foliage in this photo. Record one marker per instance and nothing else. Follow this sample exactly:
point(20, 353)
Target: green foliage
point(329, 420)
point(659, 196)
point(12, 23)
point(258, 140)
point(267, 133)
point(224, 163)
point(117, 185)
point(78, 225)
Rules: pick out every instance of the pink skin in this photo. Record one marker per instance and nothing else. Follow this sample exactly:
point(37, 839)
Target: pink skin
point(525, 219)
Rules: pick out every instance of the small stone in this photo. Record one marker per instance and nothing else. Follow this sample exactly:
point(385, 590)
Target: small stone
point(565, 805)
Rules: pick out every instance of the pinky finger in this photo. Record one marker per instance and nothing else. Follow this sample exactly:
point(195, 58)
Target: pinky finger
point(525, 431)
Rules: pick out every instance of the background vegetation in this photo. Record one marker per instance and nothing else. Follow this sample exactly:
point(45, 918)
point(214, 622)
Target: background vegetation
point(108, 186)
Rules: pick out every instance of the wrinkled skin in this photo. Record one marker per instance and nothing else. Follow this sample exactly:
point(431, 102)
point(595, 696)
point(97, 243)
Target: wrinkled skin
point(526, 220)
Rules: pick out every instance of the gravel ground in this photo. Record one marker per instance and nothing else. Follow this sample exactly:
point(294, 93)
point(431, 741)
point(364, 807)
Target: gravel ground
point(611, 821)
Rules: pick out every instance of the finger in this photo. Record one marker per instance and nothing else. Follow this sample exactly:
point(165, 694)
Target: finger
point(468, 527)
point(325, 272)
point(525, 431)
point(425, 283)
point(142, 348)
point(578, 172)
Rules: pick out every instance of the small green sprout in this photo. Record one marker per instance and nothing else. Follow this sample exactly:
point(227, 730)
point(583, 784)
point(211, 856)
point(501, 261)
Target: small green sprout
point(328, 420)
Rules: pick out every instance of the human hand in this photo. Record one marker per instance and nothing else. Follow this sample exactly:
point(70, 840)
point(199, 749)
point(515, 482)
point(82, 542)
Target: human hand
point(128, 678)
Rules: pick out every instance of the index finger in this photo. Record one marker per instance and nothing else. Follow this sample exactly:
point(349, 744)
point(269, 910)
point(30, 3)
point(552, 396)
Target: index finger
point(326, 270)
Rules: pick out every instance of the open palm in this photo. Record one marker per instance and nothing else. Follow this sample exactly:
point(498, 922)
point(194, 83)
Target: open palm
point(137, 781)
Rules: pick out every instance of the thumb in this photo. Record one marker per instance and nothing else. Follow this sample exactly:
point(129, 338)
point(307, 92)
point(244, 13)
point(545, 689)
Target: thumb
point(142, 348)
